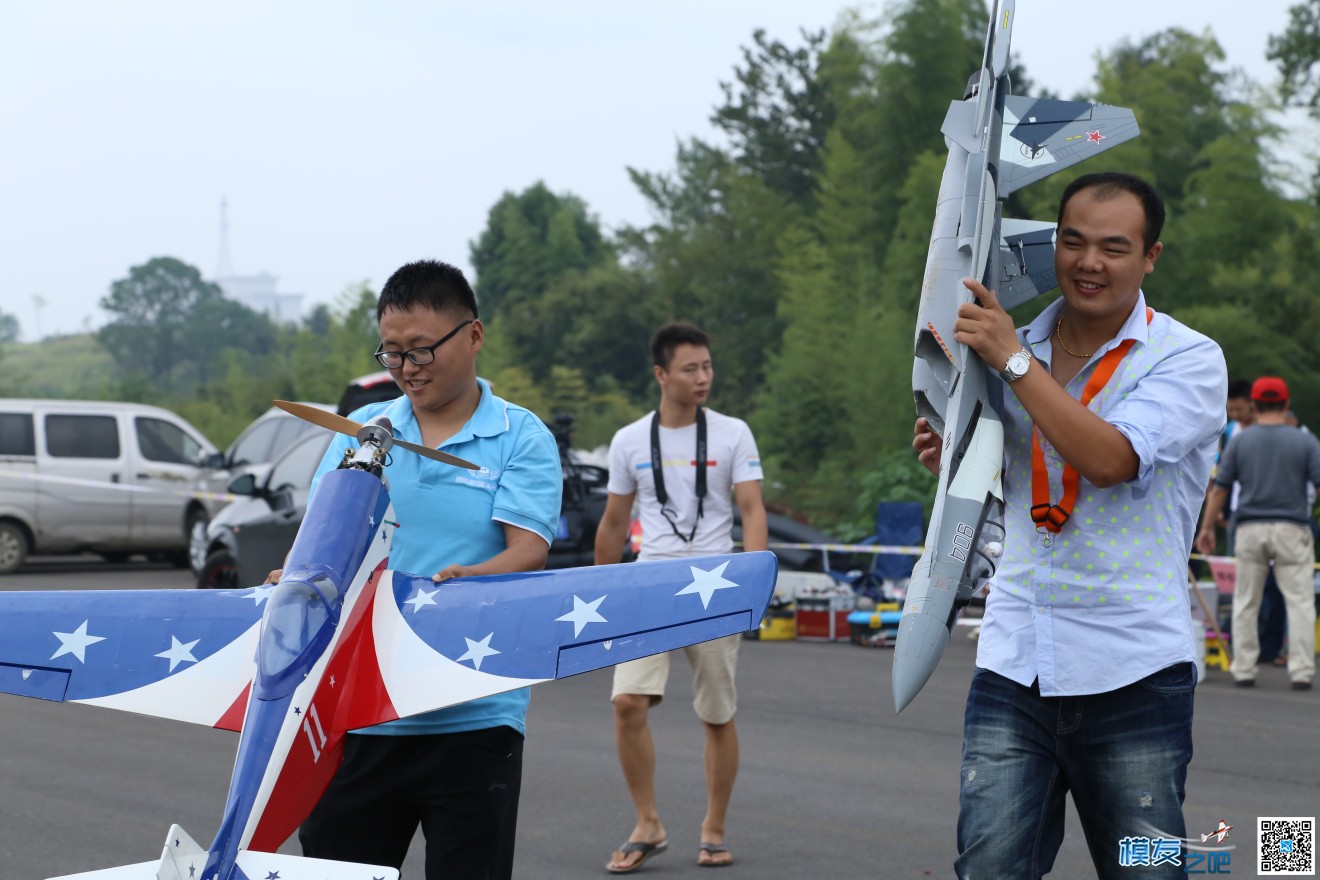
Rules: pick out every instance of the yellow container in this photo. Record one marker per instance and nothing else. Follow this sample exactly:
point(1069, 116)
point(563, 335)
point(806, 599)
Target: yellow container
point(777, 626)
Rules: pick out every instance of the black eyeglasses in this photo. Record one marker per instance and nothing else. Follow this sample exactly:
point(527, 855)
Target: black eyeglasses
point(392, 360)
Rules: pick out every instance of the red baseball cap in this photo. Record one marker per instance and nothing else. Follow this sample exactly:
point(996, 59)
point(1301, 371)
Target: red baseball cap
point(1269, 389)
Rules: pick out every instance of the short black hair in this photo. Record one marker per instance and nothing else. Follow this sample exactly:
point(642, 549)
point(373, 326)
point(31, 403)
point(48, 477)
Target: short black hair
point(437, 286)
point(1270, 406)
point(1108, 184)
point(670, 337)
point(1239, 388)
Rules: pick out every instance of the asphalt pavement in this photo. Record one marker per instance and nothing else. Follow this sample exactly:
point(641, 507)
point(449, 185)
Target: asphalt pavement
point(832, 782)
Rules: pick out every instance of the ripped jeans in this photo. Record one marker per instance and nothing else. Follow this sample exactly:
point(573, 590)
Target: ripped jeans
point(1123, 755)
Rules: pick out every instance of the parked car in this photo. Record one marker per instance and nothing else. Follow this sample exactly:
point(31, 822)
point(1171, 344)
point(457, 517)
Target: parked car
point(371, 388)
point(100, 476)
point(253, 534)
point(260, 443)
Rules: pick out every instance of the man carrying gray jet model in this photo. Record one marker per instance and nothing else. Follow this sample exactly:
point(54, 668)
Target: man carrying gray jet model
point(1084, 677)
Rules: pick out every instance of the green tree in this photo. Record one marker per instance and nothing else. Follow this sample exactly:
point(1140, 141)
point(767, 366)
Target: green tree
point(1297, 53)
point(710, 259)
point(776, 113)
point(169, 326)
point(531, 239)
point(10, 329)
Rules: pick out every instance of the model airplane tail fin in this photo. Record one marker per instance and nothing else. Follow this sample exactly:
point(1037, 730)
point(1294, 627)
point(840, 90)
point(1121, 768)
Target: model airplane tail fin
point(260, 865)
point(179, 853)
point(184, 859)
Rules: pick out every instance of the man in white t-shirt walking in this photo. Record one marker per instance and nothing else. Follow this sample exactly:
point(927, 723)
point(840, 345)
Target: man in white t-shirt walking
point(685, 464)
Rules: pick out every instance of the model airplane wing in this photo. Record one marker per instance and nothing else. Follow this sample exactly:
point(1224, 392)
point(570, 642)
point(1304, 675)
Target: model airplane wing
point(181, 654)
point(441, 644)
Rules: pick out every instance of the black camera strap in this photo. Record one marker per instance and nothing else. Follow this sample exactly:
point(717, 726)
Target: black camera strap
point(658, 471)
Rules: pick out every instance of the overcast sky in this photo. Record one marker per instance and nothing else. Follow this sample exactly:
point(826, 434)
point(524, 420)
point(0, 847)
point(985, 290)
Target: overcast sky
point(350, 138)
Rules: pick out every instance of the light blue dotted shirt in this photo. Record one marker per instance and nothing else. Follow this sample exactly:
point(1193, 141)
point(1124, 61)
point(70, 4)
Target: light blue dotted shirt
point(1103, 603)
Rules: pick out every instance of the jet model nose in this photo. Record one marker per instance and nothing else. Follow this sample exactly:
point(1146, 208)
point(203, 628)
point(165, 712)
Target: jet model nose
point(921, 641)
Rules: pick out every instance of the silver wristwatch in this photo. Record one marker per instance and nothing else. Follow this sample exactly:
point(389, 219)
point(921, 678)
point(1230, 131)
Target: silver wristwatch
point(1017, 365)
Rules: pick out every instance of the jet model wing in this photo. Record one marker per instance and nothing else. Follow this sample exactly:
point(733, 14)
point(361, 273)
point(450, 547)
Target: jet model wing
point(181, 654)
point(1042, 137)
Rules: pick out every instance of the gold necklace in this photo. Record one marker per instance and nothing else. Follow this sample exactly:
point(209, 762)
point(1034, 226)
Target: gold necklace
point(1058, 333)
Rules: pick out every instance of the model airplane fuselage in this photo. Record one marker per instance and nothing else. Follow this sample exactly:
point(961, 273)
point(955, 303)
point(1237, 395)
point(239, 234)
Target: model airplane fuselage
point(997, 144)
point(342, 643)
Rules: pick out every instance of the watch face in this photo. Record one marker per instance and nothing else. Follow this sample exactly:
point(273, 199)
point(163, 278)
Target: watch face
point(1017, 365)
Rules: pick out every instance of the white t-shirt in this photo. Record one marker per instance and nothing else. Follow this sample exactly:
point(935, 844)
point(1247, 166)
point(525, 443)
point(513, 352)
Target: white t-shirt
point(731, 458)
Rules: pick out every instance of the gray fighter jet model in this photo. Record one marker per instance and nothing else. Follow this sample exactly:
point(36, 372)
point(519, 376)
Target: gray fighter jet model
point(998, 143)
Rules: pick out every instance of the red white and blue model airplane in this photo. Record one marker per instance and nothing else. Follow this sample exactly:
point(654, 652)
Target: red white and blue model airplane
point(341, 643)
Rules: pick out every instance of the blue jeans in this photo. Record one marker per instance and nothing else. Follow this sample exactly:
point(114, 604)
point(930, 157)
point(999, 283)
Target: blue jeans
point(1122, 754)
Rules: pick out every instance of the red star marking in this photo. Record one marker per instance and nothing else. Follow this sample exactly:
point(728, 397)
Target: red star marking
point(1095, 137)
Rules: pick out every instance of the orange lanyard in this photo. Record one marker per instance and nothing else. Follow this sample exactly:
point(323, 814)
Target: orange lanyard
point(1043, 512)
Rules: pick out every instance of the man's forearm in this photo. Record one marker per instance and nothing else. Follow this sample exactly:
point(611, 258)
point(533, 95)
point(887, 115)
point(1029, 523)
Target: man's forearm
point(610, 540)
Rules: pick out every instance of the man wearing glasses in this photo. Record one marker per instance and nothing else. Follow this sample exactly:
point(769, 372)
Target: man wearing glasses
point(455, 772)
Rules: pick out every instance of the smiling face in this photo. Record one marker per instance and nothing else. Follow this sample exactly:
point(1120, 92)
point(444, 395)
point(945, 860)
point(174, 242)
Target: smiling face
point(686, 381)
point(1100, 258)
point(453, 373)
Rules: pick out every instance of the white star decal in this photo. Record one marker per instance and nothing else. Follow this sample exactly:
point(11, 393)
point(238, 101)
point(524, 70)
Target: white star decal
point(421, 598)
point(705, 583)
point(179, 652)
point(582, 614)
point(478, 651)
point(76, 643)
point(259, 594)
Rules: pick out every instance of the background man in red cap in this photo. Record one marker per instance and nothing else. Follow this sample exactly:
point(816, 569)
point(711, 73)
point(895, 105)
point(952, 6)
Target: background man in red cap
point(1273, 462)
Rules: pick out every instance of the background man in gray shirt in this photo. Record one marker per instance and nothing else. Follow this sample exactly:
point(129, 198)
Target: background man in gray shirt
point(1273, 462)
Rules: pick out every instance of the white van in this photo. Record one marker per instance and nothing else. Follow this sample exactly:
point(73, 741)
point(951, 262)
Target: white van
point(108, 477)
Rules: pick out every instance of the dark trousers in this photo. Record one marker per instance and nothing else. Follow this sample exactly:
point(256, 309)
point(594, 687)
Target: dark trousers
point(1122, 755)
point(1273, 621)
point(461, 788)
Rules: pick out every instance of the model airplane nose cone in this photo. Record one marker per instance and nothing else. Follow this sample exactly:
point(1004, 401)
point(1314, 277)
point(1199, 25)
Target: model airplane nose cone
point(921, 641)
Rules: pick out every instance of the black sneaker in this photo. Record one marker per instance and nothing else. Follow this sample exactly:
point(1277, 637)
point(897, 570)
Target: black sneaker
point(1245, 683)
point(1301, 685)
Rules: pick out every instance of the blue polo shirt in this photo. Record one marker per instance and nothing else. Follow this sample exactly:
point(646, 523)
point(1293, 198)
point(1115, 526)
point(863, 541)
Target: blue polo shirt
point(451, 515)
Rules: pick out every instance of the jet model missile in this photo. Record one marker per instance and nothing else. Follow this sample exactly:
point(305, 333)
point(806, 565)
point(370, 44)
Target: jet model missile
point(998, 143)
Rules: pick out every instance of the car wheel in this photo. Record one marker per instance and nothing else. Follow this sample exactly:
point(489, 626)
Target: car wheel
point(196, 532)
point(219, 573)
point(13, 547)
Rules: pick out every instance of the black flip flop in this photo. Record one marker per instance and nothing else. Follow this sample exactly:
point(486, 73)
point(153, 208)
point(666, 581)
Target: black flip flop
point(638, 846)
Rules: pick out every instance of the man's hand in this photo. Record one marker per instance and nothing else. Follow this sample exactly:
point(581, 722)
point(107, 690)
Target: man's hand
point(928, 445)
point(452, 571)
point(274, 576)
point(986, 329)
point(1205, 541)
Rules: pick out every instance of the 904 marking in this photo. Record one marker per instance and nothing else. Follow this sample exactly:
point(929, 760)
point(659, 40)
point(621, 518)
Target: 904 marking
point(962, 542)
